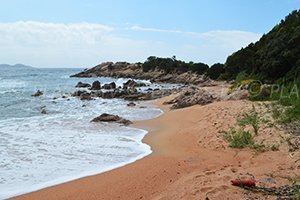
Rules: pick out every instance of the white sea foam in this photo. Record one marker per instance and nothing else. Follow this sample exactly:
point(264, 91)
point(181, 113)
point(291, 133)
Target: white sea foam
point(45, 150)
point(11, 83)
point(39, 150)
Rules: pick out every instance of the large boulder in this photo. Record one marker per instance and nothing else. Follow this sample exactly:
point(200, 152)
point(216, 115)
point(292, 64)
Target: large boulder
point(111, 118)
point(37, 93)
point(132, 83)
point(82, 85)
point(191, 96)
point(109, 86)
point(96, 85)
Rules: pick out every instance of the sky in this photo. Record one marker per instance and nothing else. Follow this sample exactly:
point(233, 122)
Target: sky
point(76, 33)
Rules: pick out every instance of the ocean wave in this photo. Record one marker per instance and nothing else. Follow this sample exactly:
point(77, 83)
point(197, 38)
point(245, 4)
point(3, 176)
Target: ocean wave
point(73, 150)
point(12, 83)
point(9, 91)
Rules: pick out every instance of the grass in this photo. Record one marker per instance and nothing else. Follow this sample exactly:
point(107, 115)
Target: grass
point(251, 119)
point(239, 138)
point(296, 190)
point(287, 99)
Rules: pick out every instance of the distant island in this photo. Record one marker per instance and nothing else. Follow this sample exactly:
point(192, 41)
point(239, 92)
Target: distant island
point(21, 66)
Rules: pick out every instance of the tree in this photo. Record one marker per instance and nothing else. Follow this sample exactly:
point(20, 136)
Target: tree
point(215, 71)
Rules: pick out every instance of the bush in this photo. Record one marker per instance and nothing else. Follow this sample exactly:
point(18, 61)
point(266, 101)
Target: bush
point(241, 76)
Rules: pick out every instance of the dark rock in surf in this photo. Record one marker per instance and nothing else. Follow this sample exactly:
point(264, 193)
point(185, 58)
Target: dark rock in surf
point(96, 85)
point(37, 94)
point(111, 118)
point(131, 104)
point(109, 86)
point(82, 85)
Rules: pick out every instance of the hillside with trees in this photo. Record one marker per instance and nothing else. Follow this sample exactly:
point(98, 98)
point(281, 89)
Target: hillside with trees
point(276, 55)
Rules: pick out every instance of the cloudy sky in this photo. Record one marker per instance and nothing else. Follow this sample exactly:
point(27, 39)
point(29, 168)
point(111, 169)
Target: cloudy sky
point(75, 33)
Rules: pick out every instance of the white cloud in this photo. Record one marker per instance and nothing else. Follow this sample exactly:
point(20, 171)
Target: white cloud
point(86, 44)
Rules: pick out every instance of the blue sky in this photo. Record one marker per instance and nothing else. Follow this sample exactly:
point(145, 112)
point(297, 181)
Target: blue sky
point(65, 33)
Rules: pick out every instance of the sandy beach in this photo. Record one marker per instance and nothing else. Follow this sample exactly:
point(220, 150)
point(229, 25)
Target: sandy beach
point(190, 160)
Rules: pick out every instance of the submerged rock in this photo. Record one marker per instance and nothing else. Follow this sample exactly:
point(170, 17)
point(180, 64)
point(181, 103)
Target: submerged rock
point(37, 94)
point(131, 104)
point(111, 118)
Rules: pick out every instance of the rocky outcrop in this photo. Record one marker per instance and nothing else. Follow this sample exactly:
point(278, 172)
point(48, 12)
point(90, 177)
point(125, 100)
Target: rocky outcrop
point(191, 96)
point(111, 118)
point(37, 94)
point(96, 85)
point(82, 85)
point(135, 71)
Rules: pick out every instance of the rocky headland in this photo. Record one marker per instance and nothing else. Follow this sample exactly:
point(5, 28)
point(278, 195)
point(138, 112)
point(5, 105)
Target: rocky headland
point(135, 71)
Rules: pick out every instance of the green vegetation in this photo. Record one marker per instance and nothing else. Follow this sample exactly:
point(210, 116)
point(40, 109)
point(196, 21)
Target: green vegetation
point(274, 56)
point(215, 71)
point(173, 65)
point(242, 136)
point(239, 138)
point(251, 119)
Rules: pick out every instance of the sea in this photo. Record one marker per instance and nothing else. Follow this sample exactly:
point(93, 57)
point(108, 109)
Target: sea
point(40, 150)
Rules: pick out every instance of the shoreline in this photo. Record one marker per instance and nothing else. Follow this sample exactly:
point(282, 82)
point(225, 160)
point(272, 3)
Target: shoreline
point(189, 160)
point(135, 125)
point(62, 180)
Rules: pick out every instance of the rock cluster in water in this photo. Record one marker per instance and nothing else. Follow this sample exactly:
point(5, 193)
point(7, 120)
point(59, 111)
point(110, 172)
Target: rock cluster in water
point(128, 92)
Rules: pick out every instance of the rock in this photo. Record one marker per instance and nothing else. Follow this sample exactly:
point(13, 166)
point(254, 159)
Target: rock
point(96, 85)
point(86, 96)
point(82, 85)
point(127, 70)
point(109, 86)
point(111, 118)
point(37, 94)
point(131, 104)
point(135, 97)
point(43, 111)
point(78, 93)
point(132, 83)
point(238, 95)
point(191, 96)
